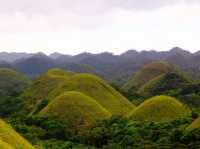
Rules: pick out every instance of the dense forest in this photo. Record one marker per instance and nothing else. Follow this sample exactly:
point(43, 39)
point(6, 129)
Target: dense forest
point(142, 100)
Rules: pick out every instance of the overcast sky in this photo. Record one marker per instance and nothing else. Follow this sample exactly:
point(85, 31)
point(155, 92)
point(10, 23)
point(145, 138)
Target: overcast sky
point(74, 26)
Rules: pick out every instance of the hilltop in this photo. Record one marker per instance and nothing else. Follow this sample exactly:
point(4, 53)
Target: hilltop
point(167, 84)
point(98, 89)
point(51, 84)
point(148, 72)
point(159, 109)
point(77, 109)
point(38, 92)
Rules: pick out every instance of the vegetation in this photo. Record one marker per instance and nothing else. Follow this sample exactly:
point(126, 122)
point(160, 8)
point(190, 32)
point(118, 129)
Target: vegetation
point(38, 92)
point(147, 73)
point(4, 145)
point(195, 124)
point(12, 83)
point(65, 110)
point(159, 109)
point(168, 83)
point(79, 110)
point(9, 136)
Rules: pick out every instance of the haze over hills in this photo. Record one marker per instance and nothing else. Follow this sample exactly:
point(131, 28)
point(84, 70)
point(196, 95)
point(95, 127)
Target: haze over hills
point(117, 68)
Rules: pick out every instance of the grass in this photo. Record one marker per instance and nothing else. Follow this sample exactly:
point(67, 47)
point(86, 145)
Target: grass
point(97, 89)
point(80, 110)
point(41, 87)
point(195, 124)
point(12, 81)
point(10, 137)
point(159, 109)
point(148, 72)
point(4, 145)
point(164, 84)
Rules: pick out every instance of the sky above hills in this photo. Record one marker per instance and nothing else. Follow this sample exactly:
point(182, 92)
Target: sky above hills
point(95, 26)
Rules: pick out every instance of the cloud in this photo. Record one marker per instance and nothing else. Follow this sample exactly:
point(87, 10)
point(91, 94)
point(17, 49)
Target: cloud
point(89, 7)
point(72, 26)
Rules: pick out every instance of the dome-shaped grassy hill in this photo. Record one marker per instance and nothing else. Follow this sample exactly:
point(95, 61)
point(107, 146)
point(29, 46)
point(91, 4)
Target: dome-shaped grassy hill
point(195, 124)
point(10, 139)
point(148, 72)
point(159, 109)
point(38, 92)
point(164, 84)
point(97, 89)
point(12, 82)
point(80, 110)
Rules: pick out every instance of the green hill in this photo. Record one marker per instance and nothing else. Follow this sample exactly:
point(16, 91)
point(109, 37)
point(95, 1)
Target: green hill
point(38, 92)
point(56, 81)
point(80, 110)
point(12, 83)
point(97, 89)
point(159, 109)
point(10, 139)
point(195, 124)
point(148, 72)
point(167, 83)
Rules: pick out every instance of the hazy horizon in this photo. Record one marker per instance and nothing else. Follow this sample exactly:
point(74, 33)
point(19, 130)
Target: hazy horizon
point(95, 26)
point(57, 52)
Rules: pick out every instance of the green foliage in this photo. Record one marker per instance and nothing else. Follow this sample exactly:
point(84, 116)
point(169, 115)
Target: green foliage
point(56, 144)
point(37, 93)
point(37, 128)
point(118, 133)
point(195, 124)
point(168, 84)
point(159, 109)
point(147, 73)
point(12, 84)
point(80, 110)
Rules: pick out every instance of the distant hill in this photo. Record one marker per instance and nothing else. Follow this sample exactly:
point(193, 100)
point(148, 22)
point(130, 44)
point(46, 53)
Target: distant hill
point(147, 73)
point(77, 109)
point(34, 65)
point(13, 56)
point(167, 83)
point(159, 109)
point(10, 139)
point(114, 68)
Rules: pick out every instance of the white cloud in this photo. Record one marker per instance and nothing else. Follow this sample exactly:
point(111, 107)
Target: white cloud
point(48, 29)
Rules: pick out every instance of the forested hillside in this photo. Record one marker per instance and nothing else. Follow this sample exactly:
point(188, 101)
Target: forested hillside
point(158, 106)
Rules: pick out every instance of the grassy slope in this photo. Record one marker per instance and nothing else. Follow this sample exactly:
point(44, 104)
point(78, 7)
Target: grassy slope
point(11, 137)
point(40, 89)
point(12, 81)
point(147, 73)
point(195, 124)
point(164, 83)
point(4, 145)
point(159, 109)
point(76, 108)
point(99, 90)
